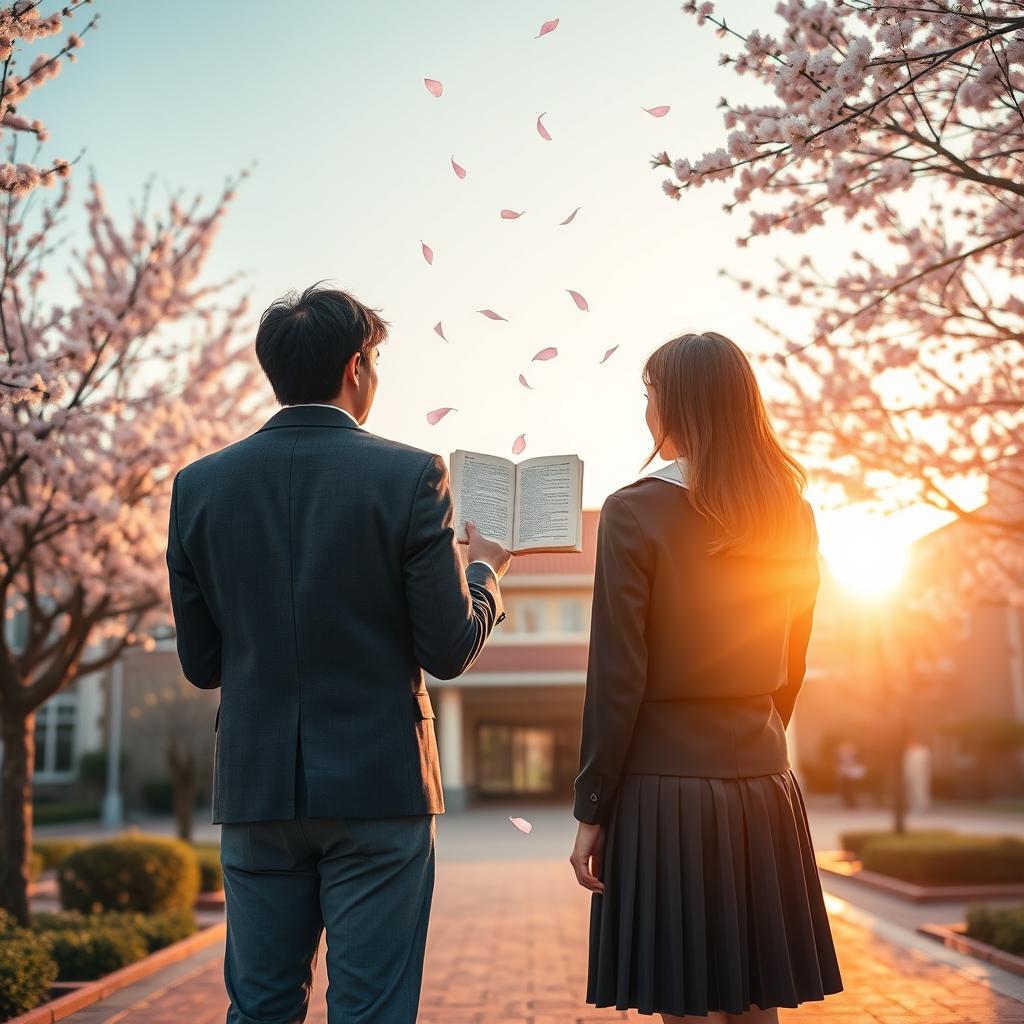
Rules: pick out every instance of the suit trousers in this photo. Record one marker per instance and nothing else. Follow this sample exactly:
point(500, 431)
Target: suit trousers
point(367, 881)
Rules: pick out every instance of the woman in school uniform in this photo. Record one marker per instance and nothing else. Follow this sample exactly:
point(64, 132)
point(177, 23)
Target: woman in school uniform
point(693, 835)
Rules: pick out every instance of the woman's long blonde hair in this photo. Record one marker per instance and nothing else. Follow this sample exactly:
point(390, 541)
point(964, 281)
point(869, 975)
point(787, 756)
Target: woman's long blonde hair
point(741, 479)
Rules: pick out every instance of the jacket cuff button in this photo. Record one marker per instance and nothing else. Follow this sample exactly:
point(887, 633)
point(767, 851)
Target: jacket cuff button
point(593, 798)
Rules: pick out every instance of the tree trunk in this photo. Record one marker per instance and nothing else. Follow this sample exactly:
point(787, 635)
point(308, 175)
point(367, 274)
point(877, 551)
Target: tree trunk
point(183, 788)
point(18, 736)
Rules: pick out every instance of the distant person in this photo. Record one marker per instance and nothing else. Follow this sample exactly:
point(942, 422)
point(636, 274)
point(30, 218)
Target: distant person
point(693, 835)
point(314, 575)
point(917, 774)
point(850, 772)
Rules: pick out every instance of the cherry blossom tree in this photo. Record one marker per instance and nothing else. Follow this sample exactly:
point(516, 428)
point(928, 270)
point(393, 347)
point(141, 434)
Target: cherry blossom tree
point(139, 370)
point(904, 121)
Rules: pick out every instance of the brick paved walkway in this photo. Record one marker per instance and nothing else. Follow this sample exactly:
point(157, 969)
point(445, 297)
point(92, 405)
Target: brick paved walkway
point(507, 946)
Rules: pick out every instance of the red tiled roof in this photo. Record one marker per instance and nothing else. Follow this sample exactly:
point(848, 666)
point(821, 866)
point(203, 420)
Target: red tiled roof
point(532, 658)
point(557, 564)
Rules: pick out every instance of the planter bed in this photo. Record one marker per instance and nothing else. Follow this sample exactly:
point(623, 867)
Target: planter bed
point(88, 992)
point(953, 936)
point(840, 864)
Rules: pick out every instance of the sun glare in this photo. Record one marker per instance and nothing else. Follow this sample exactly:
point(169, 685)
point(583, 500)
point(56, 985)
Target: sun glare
point(866, 558)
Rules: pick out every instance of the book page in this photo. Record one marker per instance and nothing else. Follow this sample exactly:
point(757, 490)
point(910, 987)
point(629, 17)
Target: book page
point(483, 488)
point(548, 511)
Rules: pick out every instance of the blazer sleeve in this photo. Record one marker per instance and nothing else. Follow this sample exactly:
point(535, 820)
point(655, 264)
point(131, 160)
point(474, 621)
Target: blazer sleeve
point(197, 635)
point(617, 662)
point(805, 596)
point(452, 609)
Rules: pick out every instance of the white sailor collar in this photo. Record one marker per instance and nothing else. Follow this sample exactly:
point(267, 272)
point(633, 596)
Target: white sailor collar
point(675, 472)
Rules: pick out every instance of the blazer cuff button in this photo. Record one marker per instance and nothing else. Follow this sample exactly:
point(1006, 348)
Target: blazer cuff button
point(593, 798)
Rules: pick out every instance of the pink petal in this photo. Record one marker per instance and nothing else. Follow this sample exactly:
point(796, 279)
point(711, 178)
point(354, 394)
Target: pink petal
point(460, 172)
point(548, 26)
point(522, 824)
point(439, 330)
point(608, 353)
point(541, 129)
point(657, 111)
point(491, 315)
point(520, 445)
point(436, 415)
point(572, 216)
point(578, 299)
point(545, 353)
point(522, 380)
point(511, 214)
point(428, 253)
point(434, 87)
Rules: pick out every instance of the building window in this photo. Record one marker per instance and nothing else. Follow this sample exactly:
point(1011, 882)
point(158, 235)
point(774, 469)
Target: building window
point(532, 617)
point(55, 736)
point(515, 759)
point(571, 615)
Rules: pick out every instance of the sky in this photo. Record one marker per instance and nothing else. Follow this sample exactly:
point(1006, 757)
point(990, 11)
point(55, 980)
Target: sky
point(350, 160)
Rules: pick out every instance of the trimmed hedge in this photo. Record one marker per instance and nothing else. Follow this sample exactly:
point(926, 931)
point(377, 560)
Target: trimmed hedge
point(87, 954)
point(947, 860)
point(1002, 927)
point(155, 930)
point(54, 851)
point(143, 873)
point(211, 874)
point(64, 813)
point(27, 970)
point(856, 839)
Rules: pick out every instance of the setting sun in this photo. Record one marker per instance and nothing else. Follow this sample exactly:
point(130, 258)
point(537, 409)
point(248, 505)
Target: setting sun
point(866, 556)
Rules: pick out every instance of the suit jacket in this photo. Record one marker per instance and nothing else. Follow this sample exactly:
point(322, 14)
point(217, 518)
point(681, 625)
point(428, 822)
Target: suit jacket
point(314, 575)
point(695, 660)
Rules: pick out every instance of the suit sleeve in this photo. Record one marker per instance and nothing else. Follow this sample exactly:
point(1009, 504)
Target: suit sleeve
point(617, 662)
point(453, 609)
point(806, 593)
point(197, 635)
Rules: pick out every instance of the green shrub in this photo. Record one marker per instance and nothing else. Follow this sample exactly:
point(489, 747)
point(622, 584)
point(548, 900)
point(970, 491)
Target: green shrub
point(53, 851)
point(92, 766)
point(143, 873)
point(84, 954)
point(61, 813)
point(211, 875)
point(1002, 927)
point(27, 970)
point(947, 860)
point(156, 930)
point(856, 839)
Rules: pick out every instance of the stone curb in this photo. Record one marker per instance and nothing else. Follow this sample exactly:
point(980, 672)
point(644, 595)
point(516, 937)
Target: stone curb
point(93, 991)
point(954, 936)
point(838, 864)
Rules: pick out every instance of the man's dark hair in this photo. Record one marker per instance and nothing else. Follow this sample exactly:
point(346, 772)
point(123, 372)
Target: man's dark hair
point(304, 342)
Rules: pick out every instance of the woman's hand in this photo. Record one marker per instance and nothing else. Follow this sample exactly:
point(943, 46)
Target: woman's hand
point(586, 856)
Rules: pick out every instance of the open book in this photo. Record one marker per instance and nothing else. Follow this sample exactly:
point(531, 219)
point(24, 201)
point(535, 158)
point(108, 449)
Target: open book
point(535, 505)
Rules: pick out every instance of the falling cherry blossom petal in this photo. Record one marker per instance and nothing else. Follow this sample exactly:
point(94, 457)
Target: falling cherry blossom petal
point(657, 111)
point(439, 330)
point(522, 380)
point(571, 217)
point(460, 171)
point(545, 353)
point(434, 87)
point(491, 315)
point(581, 302)
point(511, 214)
point(548, 26)
point(522, 824)
point(428, 253)
point(436, 415)
point(543, 132)
point(608, 353)
point(519, 445)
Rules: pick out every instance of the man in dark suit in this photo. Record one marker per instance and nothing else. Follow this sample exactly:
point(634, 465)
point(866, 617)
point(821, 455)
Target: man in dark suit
point(314, 575)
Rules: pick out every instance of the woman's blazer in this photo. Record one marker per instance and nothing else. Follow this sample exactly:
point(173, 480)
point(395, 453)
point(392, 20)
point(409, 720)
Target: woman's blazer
point(695, 660)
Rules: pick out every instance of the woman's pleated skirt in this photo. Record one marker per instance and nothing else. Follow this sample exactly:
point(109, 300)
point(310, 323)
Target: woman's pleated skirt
point(711, 899)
